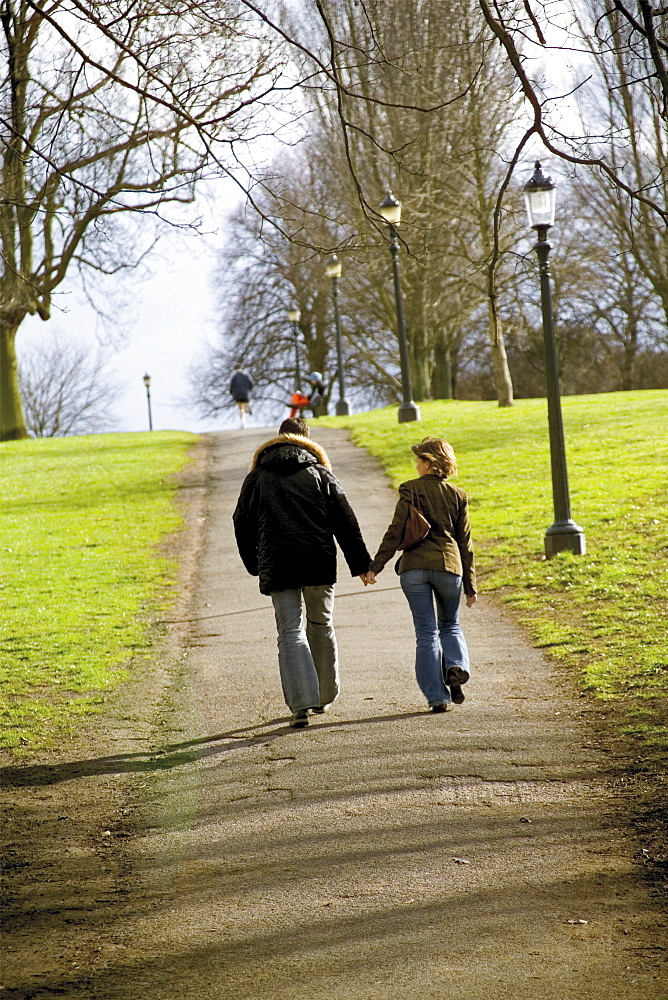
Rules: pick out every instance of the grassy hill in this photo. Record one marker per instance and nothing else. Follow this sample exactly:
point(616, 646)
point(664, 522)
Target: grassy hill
point(605, 614)
point(82, 568)
point(81, 521)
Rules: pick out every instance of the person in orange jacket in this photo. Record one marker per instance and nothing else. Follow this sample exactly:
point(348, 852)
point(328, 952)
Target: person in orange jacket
point(297, 403)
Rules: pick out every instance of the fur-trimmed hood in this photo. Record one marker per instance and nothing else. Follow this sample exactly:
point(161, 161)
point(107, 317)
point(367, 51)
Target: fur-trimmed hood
point(288, 452)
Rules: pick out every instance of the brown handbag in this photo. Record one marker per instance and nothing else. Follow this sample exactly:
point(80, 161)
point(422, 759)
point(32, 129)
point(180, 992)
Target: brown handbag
point(417, 526)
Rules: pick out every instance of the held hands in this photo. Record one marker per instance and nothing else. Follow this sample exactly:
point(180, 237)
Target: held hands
point(369, 578)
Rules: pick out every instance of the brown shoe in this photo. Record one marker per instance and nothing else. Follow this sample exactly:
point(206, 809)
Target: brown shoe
point(456, 692)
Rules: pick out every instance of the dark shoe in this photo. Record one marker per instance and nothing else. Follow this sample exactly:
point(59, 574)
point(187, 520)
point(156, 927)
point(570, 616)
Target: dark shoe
point(299, 719)
point(441, 706)
point(455, 686)
point(320, 710)
point(456, 674)
point(456, 692)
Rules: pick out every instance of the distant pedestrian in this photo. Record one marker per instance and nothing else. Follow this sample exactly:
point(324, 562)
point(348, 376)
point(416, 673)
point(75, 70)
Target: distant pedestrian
point(316, 395)
point(436, 569)
point(290, 511)
point(240, 389)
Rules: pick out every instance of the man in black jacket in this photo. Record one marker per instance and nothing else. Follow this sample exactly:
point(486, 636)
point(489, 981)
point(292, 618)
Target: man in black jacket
point(240, 390)
point(290, 510)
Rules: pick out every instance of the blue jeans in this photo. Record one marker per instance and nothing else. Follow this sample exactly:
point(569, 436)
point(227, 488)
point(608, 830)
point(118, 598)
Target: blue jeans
point(307, 657)
point(440, 642)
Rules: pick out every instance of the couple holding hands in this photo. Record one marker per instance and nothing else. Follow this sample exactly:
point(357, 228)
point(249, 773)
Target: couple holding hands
point(290, 511)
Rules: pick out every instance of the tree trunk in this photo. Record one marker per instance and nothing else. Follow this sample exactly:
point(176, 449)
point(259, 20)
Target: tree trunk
point(441, 379)
point(12, 420)
point(420, 370)
point(502, 380)
point(630, 358)
point(418, 337)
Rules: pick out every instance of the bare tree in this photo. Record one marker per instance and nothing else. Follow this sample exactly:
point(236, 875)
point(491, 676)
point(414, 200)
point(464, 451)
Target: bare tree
point(437, 105)
point(535, 29)
point(261, 275)
point(611, 272)
point(412, 95)
point(108, 110)
point(630, 111)
point(66, 389)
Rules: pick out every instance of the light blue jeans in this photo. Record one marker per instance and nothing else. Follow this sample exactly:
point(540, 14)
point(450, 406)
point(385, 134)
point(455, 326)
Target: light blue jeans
point(440, 642)
point(307, 657)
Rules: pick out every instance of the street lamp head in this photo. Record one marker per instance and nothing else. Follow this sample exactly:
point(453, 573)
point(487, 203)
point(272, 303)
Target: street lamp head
point(294, 315)
point(147, 380)
point(540, 195)
point(333, 267)
point(390, 209)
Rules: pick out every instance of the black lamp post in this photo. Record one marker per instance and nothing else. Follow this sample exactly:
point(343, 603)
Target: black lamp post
point(294, 315)
point(147, 383)
point(333, 269)
point(390, 209)
point(564, 534)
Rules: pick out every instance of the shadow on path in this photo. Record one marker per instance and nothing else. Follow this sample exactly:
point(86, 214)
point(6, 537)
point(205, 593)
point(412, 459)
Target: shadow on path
point(174, 754)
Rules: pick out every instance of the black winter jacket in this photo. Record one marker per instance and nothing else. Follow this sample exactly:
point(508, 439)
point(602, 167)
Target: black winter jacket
point(290, 510)
point(240, 387)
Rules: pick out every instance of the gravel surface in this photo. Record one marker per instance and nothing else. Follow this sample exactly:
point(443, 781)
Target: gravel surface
point(191, 845)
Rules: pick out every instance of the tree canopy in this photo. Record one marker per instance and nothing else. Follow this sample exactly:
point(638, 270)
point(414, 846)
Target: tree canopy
point(111, 114)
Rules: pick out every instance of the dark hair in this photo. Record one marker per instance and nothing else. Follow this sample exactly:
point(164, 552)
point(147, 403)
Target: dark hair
point(295, 425)
point(440, 455)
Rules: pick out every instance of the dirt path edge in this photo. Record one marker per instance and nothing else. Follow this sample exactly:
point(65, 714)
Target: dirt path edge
point(63, 840)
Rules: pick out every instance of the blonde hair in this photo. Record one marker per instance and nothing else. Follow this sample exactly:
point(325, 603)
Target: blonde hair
point(440, 455)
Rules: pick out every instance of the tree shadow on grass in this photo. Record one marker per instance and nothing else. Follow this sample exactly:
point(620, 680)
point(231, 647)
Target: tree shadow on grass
point(174, 754)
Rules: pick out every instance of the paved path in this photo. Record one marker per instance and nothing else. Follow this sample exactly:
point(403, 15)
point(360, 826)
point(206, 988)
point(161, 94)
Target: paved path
point(383, 853)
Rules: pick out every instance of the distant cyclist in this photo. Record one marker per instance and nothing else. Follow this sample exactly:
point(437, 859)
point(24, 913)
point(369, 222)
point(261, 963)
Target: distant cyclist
point(315, 396)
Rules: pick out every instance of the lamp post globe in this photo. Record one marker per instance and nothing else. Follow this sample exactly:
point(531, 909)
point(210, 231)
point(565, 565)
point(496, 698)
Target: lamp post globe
point(564, 534)
point(333, 267)
point(540, 199)
point(333, 270)
point(390, 210)
point(147, 382)
point(294, 315)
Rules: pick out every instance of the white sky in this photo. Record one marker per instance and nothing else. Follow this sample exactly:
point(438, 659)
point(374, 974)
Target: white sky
point(173, 322)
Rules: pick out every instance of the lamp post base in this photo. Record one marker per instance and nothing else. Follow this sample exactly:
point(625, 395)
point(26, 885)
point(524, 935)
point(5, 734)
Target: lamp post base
point(566, 536)
point(342, 408)
point(409, 411)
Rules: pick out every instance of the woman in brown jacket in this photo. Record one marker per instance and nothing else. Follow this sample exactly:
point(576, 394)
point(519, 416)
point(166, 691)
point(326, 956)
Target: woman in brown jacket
point(434, 570)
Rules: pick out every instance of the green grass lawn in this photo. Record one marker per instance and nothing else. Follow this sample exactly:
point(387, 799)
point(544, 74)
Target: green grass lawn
point(605, 614)
point(81, 568)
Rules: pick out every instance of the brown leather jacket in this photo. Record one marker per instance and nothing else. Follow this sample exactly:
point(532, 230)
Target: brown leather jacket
point(448, 545)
